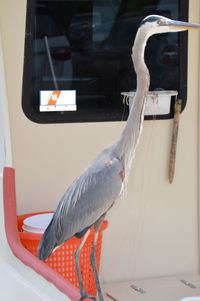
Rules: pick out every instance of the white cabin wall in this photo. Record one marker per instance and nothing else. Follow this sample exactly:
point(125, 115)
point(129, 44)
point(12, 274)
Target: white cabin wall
point(153, 231)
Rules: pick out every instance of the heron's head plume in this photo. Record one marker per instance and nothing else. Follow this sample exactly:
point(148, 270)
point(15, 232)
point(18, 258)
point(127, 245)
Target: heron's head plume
point(155, 24)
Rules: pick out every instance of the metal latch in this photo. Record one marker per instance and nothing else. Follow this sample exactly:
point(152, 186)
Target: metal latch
point(187, 283)
point(138, 289)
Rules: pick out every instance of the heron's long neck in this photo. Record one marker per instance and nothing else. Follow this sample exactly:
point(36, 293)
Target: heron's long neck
point(128, 141)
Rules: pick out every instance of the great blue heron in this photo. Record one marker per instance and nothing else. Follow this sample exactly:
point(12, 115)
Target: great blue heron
point(92, 194)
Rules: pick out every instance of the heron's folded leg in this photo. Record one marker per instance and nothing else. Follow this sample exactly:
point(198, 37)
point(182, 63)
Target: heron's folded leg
point(93, 260)
point(84, 294)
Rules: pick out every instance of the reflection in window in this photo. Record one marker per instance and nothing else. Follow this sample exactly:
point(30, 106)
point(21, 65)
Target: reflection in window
point(85, 46)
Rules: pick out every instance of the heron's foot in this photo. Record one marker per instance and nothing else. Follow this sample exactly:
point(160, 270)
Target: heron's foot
point(86, 295)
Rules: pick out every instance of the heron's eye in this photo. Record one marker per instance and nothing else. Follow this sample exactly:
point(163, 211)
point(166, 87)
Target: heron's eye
point(159, 22)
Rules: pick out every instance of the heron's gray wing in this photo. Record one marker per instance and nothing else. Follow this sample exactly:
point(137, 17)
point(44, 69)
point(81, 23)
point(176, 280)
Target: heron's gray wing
point(89, 196)
point(85, 201)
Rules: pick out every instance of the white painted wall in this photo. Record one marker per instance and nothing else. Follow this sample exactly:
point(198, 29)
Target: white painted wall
point(154, 230)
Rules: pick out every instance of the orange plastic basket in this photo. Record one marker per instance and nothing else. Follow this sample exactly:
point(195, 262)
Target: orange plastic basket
point(62, 260)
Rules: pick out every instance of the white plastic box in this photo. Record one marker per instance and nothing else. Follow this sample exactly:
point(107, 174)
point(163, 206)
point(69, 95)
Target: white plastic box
point(158, 102)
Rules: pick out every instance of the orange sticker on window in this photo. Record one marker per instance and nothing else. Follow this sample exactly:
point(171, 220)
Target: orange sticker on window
point(57, 100)
point(54, 97)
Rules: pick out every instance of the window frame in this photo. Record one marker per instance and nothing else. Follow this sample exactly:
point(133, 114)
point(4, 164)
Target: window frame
point(46, 118)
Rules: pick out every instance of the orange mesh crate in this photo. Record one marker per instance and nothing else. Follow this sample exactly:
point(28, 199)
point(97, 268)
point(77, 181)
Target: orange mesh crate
point(62, 260)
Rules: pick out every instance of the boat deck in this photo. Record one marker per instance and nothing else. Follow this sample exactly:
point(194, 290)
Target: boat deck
point(165, 288)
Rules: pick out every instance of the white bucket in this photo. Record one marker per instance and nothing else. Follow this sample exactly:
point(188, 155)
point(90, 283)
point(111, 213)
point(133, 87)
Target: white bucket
point(37, 223)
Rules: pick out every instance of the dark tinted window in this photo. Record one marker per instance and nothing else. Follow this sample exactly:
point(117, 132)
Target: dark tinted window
point(83, 48)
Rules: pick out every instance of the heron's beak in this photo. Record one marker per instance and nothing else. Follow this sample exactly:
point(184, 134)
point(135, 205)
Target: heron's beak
point(181, 26)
